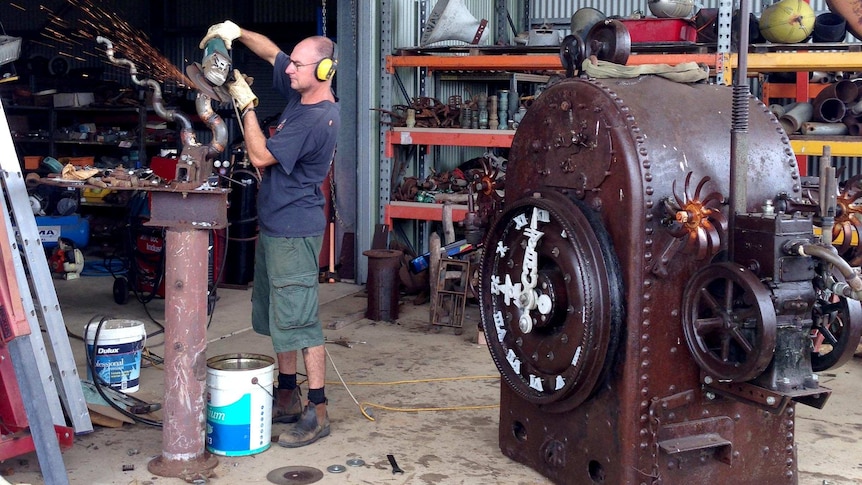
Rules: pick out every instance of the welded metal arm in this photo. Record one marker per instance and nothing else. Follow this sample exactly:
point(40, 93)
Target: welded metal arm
point(187, 134)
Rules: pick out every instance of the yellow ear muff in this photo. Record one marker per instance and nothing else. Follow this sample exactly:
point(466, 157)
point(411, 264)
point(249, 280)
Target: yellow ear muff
point(325, 69)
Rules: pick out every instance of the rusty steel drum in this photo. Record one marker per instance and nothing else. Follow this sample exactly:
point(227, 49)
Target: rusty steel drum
point(851, 11)
point(599, 384)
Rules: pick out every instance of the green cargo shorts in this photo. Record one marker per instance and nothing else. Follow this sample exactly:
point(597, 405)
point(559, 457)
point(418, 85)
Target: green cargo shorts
point(284, 297)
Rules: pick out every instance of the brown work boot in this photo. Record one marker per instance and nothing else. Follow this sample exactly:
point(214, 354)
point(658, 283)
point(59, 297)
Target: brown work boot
point(287, 406)
point(313, 425)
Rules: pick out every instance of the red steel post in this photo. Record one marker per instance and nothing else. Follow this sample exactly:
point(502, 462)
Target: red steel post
point(186, 272)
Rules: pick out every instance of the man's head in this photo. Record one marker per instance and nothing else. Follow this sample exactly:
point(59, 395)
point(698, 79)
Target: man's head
point(312, 63)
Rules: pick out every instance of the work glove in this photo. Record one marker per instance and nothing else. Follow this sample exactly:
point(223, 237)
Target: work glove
point(226, 31)
point(240, 91)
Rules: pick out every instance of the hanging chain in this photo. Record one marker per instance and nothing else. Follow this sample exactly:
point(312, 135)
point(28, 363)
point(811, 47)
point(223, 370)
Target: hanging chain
point(323, 9)
point(353, 21)
point(332, 193)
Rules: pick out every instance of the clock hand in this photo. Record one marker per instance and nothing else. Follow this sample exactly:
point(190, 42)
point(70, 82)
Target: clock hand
point(529, 297)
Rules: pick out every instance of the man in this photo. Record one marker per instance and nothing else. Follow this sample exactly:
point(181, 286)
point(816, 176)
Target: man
point(294, 162)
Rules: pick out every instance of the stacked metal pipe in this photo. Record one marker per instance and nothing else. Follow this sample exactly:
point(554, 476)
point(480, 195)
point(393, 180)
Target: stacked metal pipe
point(835, 111)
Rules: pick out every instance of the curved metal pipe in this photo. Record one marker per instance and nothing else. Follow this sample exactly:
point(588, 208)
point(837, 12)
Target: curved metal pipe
point(829, 255)
point(187, 134)
point(203, 105)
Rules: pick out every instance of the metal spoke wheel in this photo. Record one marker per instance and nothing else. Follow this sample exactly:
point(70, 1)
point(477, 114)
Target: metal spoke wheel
point(551, 299)
point(836, 332)
point(729, 322)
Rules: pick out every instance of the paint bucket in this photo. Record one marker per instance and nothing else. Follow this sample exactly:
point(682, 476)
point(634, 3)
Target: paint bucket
point(116, 354)
point(239, 404)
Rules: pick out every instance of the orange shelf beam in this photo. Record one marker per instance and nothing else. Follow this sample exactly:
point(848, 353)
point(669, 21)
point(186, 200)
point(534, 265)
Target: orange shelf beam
point(525, 62)
point(757, 61)
point(789, 90)
point(447, 137)
point(420, 211)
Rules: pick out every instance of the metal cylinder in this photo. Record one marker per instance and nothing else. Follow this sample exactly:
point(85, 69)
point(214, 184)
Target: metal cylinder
point(382, 284)
point(242, 237)
point(830, 110)
point(829, 129)
point(792, 120)
point(845, 90)
point(829, 27)
point(819, 77)
point(854, 125)
point(183, 432)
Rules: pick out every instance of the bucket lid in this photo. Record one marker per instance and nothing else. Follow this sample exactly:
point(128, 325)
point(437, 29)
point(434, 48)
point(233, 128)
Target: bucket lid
point(240, 361)
point(132, 327)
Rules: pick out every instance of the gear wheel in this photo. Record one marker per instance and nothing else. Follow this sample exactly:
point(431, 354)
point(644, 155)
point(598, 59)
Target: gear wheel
point(551, 299)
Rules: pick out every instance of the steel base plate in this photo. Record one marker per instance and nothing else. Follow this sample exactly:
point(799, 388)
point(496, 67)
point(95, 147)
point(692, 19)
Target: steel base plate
point(294, 475)
point(188, 470)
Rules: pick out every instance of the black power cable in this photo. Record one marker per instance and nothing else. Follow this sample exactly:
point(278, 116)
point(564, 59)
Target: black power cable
point(100, 383)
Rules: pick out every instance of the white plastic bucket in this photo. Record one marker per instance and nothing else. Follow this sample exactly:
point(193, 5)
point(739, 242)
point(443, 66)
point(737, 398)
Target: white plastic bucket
point(239, 404)
point(117, 353)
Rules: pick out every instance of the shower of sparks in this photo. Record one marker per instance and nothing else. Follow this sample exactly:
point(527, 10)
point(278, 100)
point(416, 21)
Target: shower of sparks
point(76, 38)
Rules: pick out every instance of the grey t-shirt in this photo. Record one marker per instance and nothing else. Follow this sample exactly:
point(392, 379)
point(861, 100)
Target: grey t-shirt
point(290, 200)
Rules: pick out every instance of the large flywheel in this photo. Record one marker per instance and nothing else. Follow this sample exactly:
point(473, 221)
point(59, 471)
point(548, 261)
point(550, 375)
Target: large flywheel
point(837, 327)
point(551, 299)
point(729, 322)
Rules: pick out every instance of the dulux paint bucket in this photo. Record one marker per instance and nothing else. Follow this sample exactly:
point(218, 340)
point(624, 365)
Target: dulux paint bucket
point(116, 354)
point(239, 403)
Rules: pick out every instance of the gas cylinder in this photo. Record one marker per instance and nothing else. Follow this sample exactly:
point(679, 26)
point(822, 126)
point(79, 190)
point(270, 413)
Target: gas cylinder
point(242, 233)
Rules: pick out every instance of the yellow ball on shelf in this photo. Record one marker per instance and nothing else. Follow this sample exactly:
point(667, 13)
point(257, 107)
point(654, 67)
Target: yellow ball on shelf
point(787, 22)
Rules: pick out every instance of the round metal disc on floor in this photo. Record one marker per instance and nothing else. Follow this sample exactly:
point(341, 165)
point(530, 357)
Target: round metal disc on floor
point(355, 462)
point(294, 475)
point(336, 469)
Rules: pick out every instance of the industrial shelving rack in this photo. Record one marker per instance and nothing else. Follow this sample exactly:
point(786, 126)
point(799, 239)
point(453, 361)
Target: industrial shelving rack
point(795, 60)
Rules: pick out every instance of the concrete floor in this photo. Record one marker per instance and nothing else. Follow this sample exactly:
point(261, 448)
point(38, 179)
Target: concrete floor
point(432, 447)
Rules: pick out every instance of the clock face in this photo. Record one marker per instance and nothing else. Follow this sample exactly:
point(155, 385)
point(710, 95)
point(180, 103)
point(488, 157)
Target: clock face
point(548, 301)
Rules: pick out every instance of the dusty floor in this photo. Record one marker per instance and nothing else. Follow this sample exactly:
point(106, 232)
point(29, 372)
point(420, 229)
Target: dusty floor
point(432, 447)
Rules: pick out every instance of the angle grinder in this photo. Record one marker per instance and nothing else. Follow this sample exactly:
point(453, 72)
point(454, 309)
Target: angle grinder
point(210, 75)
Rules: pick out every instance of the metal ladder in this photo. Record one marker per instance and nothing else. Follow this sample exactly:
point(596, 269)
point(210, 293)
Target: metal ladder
point(37, 287)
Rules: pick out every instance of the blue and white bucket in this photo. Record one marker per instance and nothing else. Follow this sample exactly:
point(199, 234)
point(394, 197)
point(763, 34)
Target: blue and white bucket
point(239, 404)
point(117, 353)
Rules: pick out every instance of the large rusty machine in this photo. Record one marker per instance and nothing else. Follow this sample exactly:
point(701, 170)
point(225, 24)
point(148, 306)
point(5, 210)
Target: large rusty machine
point(654, 301)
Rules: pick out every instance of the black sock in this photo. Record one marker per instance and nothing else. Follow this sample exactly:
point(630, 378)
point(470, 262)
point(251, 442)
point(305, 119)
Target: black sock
point(317, 396)
point(286, 381)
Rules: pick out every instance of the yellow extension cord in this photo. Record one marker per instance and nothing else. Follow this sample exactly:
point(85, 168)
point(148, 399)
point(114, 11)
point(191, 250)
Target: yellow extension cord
point(363, 405)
